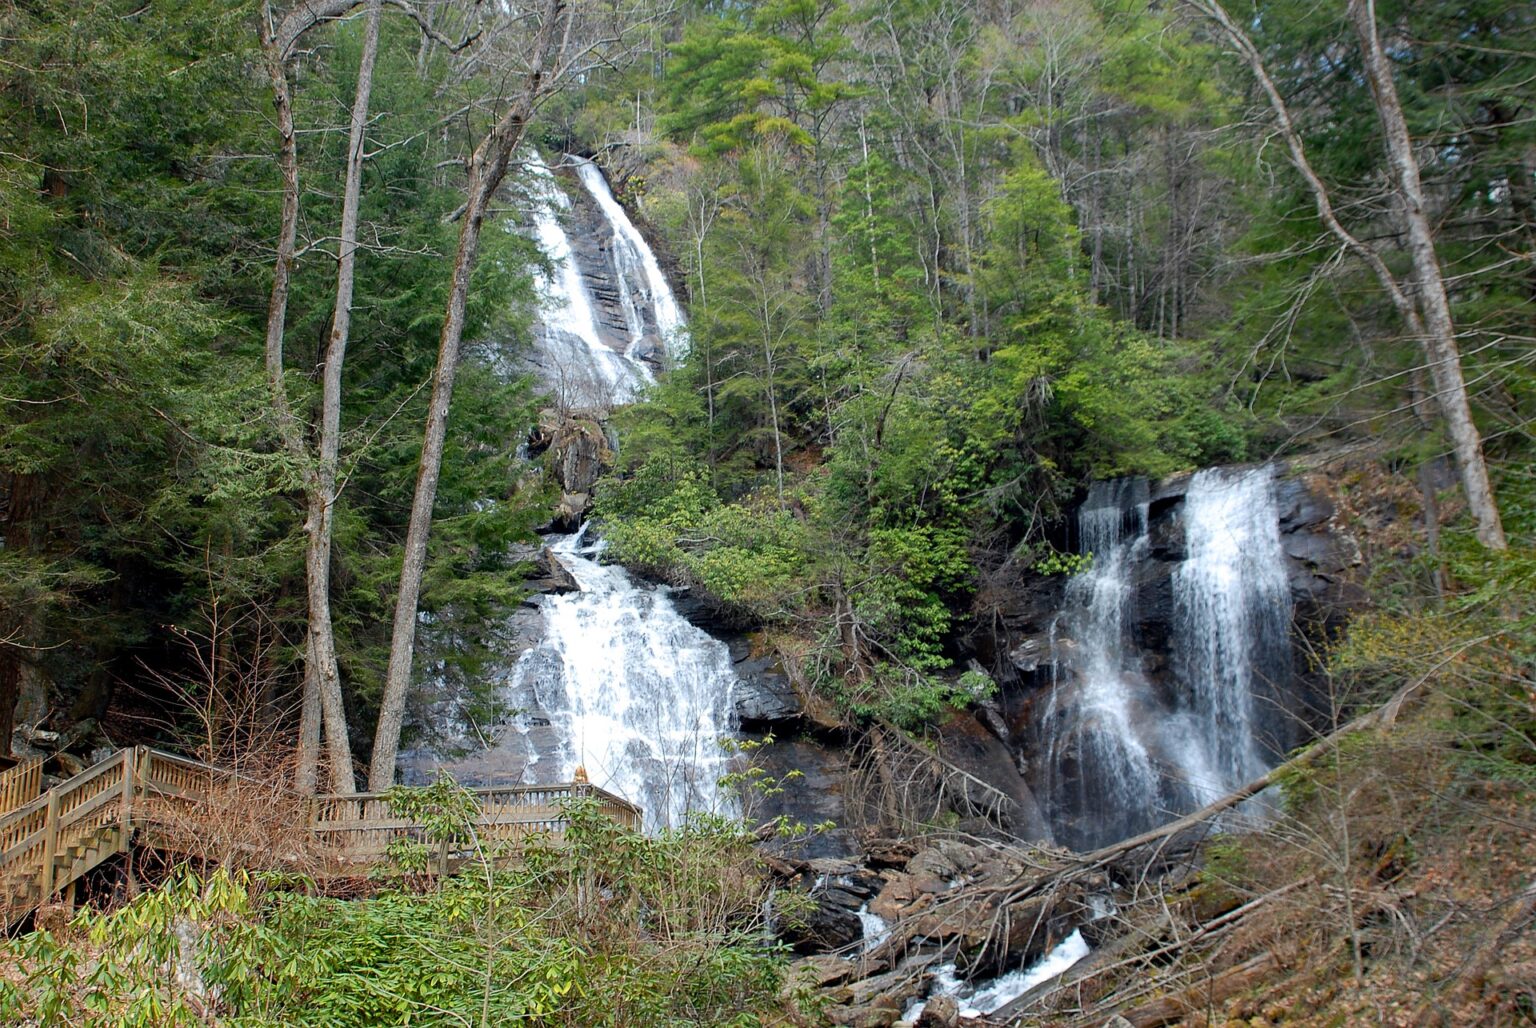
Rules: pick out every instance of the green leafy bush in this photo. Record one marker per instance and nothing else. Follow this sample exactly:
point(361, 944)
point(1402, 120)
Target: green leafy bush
point(603, 927)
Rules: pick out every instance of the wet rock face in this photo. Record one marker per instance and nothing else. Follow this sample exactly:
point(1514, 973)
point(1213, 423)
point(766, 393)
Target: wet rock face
point(815, 793)
point(764, 694)
point(606, 278)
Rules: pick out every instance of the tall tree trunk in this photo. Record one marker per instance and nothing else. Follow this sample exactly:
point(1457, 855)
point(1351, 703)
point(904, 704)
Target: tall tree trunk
point(1433, 327)
point(324, 667)
point(1440, 339)
point(278, 44)
point(487, 168)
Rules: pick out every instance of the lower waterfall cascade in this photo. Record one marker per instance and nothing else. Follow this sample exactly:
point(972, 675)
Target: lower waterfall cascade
point(617, 683)
point(640, 696)
point(1125, 745)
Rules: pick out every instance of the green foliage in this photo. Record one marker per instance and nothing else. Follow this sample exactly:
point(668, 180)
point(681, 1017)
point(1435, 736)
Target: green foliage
point(743, 554)
point(607, 928)
point(912, 701)
point(445, 810)
point(136, 441)
point(161, 962)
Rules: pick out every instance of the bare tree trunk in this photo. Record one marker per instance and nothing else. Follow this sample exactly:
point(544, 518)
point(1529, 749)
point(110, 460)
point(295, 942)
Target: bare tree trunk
point(773, 411)
point(323, 667)
point(1440, 340)
point(278, 43)
point(1433, 327)
point(487, 168)
point(306, 776)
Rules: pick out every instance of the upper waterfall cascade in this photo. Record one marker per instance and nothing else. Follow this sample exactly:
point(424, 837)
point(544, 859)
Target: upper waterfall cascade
point(1126, 743)
point(606, 311)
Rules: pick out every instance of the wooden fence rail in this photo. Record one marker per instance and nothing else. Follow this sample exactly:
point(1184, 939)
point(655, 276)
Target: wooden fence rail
point(48, 841)
point(20, 785)
point(360, 826)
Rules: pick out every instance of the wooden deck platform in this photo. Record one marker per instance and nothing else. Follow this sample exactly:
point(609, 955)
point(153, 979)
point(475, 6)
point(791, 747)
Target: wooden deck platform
point(48, 840)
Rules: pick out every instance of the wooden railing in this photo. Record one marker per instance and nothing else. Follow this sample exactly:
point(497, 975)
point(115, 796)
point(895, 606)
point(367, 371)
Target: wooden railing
point(360, 826)
point(20, 785)
point(33, 835)
point(48, 841)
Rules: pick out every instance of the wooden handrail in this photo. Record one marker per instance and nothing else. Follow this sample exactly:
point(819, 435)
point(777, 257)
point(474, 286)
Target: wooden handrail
point(94, 814)
point(21, 784)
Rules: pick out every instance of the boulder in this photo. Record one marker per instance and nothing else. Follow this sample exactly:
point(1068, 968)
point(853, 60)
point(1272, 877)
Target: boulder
point(879, 1016)
point(825, 926)
point(823, 970)
point(578, 450)
point(898, 899)
point(939, 1012)
point(547, 574)
point(891, 853)
point(932, 862)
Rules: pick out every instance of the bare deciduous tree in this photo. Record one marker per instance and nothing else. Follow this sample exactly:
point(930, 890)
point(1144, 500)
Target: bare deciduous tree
point(1425, 310)
point(322, 685)
point(548, 44)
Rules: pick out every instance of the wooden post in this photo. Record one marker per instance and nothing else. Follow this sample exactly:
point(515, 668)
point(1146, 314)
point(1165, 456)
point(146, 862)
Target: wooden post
point(130, 767)
point(50, 844)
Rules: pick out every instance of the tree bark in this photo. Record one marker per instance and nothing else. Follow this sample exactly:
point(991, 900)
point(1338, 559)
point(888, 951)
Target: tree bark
point(278, 42)
point(487, 169)
point(1440, 340)
point(1432, 327)
point(323, 668)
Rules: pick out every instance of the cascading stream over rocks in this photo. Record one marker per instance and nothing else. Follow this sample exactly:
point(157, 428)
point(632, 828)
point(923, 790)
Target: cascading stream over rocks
point(1130, 737)
point(637, 695)
point(607, 316)
point(610, 677)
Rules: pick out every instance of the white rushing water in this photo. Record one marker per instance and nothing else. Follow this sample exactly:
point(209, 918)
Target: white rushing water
point(580, 367)
point(977, 999)
point(876, 930)
point(1231, 618)
point(635, 263)
point(1098, 741)
point(634, 693)
point(1126, 750)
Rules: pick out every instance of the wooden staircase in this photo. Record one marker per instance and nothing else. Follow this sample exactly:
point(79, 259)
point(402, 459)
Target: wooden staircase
point(49, 841)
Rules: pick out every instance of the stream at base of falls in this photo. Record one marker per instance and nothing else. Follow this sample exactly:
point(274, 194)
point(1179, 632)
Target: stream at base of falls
point(977, 999)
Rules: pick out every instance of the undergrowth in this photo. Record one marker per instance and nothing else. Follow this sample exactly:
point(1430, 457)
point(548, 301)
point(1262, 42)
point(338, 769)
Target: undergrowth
point(607, 928)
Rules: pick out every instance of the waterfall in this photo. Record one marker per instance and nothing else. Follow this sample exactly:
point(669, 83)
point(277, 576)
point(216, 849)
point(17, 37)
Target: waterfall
point(1129, 742)
point(1101, 781)
point(571, 355)
point(615, 681)
point(637, 270)
point(1231, 619)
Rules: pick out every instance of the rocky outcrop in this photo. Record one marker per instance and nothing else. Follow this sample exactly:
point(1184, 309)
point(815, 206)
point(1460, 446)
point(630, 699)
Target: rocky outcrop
point(576, 453)
point(545, 574)
point(874, 930)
